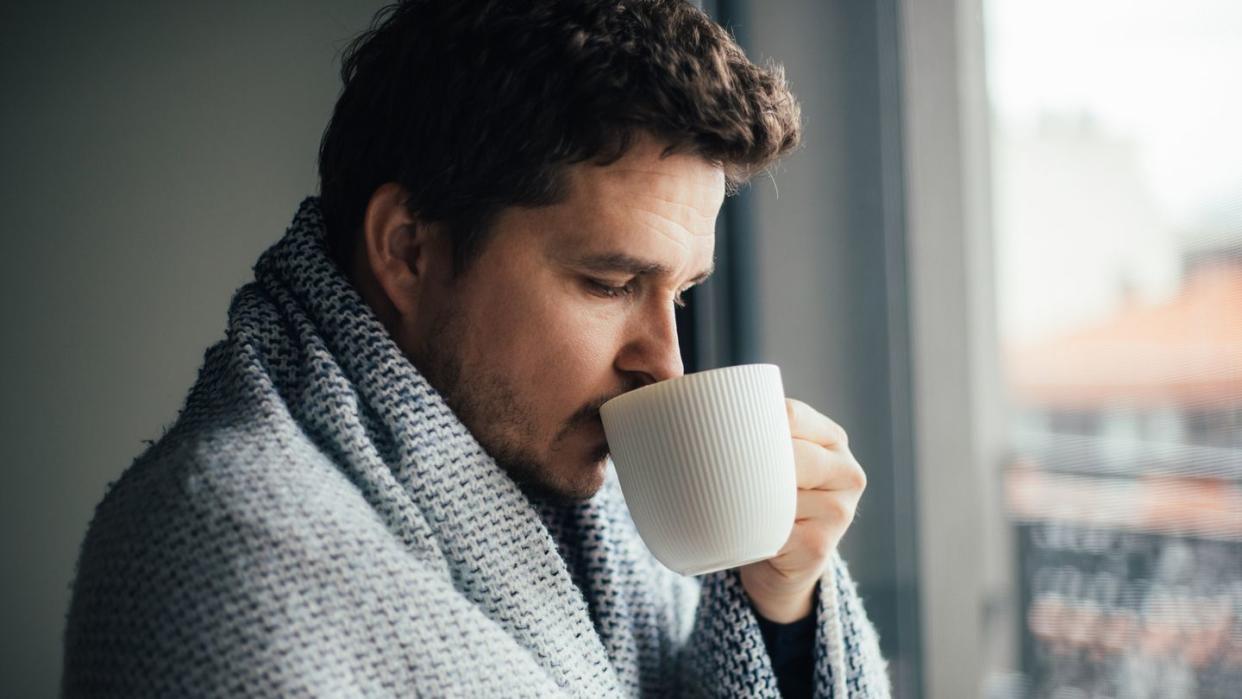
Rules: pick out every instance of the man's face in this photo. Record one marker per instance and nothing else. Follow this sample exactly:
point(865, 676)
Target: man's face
point(567, 306)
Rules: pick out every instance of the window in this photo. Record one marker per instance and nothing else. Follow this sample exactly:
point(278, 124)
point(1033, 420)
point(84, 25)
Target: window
point(1116, 183)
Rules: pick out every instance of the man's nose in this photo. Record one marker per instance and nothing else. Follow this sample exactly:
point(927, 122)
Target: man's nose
point(651, 352)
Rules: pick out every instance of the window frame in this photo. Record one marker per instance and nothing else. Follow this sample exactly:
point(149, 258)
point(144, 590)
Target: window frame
point(960, 413)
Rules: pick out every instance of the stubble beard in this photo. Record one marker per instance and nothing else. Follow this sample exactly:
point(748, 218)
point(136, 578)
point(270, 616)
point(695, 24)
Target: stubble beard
point(491, 408)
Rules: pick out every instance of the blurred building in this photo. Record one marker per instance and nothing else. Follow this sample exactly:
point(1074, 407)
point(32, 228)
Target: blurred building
point(1126, 490)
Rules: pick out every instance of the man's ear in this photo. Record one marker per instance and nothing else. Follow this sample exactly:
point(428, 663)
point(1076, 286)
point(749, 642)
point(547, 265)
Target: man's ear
point(398, 248)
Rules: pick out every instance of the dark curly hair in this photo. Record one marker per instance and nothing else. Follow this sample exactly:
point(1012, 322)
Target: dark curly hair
point(477, 105)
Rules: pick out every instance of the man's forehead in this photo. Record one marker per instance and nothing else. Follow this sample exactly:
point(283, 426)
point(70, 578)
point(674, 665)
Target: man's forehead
point(679, 190)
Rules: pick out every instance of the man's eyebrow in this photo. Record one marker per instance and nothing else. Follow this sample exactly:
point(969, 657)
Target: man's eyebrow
point(624, 262)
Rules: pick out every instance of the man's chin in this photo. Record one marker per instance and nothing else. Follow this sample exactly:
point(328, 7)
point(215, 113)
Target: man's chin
point(581, 483)
point(562, 483)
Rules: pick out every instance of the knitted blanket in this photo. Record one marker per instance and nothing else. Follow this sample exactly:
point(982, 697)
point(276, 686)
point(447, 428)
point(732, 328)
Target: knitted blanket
point(318, 522)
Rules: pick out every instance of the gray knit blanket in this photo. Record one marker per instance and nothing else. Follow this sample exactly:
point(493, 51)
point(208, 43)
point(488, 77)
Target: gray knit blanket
point(317, 522)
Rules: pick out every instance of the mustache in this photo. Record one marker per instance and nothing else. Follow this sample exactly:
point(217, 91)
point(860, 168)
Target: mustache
point(589, 412)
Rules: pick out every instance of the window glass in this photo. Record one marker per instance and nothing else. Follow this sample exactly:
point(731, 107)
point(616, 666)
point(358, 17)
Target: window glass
point(1116, 142)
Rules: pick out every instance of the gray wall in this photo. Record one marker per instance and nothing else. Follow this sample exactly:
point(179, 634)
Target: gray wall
point(148, 152)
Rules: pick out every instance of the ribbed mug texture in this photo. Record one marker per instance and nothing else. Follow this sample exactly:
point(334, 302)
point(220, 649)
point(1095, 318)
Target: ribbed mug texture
point(706, 465)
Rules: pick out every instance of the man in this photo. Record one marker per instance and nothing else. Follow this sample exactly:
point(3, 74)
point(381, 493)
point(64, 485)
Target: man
point(391, 477)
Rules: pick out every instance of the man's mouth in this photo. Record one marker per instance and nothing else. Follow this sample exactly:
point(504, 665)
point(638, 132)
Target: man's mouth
point(599, 452)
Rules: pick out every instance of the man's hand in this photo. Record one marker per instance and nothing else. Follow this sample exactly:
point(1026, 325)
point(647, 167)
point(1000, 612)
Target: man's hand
point(830, 481)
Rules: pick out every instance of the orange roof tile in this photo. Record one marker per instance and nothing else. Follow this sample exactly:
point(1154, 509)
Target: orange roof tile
point(1185, 351)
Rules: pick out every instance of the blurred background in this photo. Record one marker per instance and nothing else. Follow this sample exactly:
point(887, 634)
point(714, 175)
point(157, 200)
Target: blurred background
point(1008, 260)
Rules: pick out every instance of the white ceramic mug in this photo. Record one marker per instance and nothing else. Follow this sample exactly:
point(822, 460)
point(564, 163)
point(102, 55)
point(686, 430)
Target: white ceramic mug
point(706, 464)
